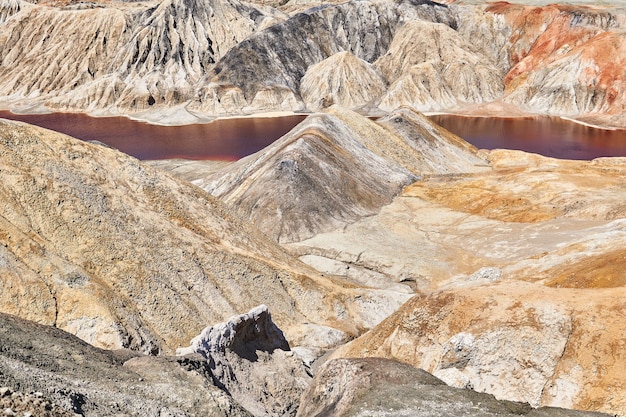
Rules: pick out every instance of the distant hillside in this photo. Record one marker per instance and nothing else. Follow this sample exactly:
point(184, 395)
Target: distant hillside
point(178, 61)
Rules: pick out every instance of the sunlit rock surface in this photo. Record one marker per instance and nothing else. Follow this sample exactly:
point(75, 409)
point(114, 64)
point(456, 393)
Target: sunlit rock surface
point(49, 366)
point(515, 340)
point(342, 79)
point(125, 57)
point(178, 61)
point(520, 277)
point(533, 217)
point(336, 168)
point(432, 67)
point(123, 255)
point(383, 387)
point(567, 60)
point(250, 359)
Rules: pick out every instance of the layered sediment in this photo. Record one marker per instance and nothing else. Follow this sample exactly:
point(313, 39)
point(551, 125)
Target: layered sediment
point(201, 59)
point(336, 168)
point(122, 255)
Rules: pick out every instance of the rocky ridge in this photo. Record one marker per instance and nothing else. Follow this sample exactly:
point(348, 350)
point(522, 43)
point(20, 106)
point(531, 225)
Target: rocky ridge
point(272, 62)
point(501, 260)
point(129, 59)
point(179, 61)
point(437, 74)
point(122, 255)
point(324, 84)
point(53, 373)
point(527, 216)
point(539, 232)
point(382, 387)
point(335, 168)
point(251, 360)
point(519, 341)
point(565, 60)
point(56, 374)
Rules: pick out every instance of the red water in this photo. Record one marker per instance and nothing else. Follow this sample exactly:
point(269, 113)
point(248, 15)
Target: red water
point(549, 136)
point(231, 139)
point(227, 139)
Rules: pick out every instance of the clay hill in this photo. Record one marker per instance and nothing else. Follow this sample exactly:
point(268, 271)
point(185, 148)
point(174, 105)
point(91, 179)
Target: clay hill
point(519, 274)
point(355, 266)
point(59, 375)
point(516, 262)
point(336, 168)
point(516, 259)
point(122, 255)
point(181, 61)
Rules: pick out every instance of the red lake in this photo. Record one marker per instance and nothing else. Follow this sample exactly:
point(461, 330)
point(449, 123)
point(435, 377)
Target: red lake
point(231, 139)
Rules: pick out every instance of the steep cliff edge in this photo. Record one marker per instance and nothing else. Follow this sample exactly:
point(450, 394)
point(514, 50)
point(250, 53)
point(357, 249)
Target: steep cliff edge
point(122, 57)
point(273, 61)
point(198, 59)
point(567, 60)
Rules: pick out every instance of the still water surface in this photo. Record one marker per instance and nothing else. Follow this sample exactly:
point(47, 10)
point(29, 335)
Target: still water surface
point(227, 139)
point(549, 136)
point(231, 139)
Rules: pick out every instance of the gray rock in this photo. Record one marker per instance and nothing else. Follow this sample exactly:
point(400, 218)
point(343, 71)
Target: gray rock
point(123, 255)
point(251, 360)
point(336, 168)
point(382, 387)
point(69, 376)
point(279, 56)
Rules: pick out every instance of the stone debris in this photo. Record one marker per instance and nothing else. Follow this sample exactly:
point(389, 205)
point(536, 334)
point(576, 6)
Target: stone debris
point(20, 404)
point(251, 360)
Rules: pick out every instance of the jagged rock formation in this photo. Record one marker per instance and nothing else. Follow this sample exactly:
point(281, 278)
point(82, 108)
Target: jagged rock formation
point(59, 368)
point(279, 56)
point(436, 73)
point(468, 242)
point(122, 255)
point(342, 79)
point(382, 387)
point(334, 169)
point(179, 61)
point(125, 58)
point(251, 360)
point(518, 341)
point(566, 60)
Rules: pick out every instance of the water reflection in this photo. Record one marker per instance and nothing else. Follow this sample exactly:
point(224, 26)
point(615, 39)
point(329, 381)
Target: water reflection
point(549, 136)
point(231, 139)
point(227, 139)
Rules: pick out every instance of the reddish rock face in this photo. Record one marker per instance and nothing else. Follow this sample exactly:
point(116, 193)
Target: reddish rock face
point(565, 59)
point(544, 34)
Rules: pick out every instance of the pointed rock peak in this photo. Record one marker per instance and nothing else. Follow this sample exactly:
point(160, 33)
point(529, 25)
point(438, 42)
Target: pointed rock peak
point(325, 173)
point(244, 334)
point(342, 79)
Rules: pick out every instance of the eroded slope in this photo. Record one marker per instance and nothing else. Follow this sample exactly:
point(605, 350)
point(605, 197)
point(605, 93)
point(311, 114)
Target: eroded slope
point(120, 254)
point(518, 341)
point(336, 168)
